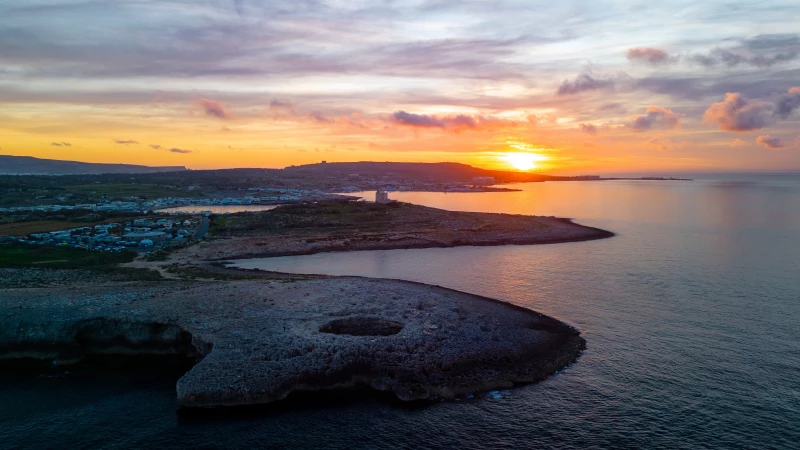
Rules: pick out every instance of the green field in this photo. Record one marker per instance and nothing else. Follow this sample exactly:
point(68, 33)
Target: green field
point(40, 226)
point(117, 191)
point(44, 256)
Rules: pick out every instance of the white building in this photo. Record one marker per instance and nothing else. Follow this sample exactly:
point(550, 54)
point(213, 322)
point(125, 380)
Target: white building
point(382, 196)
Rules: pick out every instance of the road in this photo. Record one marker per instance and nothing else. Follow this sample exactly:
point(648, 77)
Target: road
point(202, 229)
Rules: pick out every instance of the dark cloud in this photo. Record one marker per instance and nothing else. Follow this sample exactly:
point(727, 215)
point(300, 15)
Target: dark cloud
point(280, 104)
point(787, 103)
point(179, 150)
point(585, 82)
point(461, 122)
point(653, 117)
point(61, 144)
point(588, 128)
point(653, 56)
point(272, 38)
point(707, 86)
point(319, 117)
point(770, 142)
point(736, 113)
point(155, 146)
point(416, 120)
point(721, 56)
point(761, 51)
point(214, 108)
point(125, 142)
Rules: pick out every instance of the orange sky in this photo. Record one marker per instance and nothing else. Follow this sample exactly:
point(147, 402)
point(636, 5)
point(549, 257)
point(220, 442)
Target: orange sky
point(246, 85)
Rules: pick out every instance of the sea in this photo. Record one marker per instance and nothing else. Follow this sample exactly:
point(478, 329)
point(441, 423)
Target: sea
point(691, 315)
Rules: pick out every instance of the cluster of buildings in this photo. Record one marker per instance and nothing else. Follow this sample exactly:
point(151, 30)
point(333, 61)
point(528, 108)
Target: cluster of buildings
point(265, 195)
point(139, 233)
point(106, 206)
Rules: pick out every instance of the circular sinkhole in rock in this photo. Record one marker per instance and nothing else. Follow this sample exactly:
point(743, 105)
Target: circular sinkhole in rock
point(362, 326)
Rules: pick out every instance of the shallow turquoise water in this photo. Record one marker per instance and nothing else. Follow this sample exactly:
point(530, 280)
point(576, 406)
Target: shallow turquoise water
point(690, 314)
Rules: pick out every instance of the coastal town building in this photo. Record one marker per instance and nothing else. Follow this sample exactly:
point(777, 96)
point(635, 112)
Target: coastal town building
point(381, 196)
point(483, 181)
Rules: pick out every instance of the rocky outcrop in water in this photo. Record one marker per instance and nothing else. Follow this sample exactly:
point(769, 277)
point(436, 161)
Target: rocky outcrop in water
point(259, 341)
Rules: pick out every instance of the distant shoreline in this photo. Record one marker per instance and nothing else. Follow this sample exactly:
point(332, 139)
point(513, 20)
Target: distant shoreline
point(295, 230)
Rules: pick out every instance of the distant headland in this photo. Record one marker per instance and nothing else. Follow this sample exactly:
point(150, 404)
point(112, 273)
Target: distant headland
point(28, 165)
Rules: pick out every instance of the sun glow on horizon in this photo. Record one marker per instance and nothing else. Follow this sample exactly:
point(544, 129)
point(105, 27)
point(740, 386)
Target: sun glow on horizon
point(523, 161)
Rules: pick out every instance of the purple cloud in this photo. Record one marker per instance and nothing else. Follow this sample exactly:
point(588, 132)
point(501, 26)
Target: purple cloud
point(280, 104)
point(731, 59)
point(416, 120)
point(460, 122)
point(770, 142)
point(653, 56)
point(588, 128)
point(61, 144)
point(585, 82)
point(125, 142)
point(735, 113)
point(319, 117)
point(654, 116)
point(155, 146)
point(214, 108)
point(179, 150)
point(787, 103)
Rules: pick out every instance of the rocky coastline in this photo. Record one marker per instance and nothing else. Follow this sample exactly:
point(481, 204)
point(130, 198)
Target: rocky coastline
point(258, 341)
point(309, 229)
point(257, 337)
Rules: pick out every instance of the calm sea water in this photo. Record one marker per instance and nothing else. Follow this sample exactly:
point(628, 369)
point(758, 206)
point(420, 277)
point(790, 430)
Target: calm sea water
point(690, 313)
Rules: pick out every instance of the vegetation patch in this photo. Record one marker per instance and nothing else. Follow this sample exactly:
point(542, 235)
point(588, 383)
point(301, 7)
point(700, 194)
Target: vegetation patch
point(39, 226)
point(46, 256)
point(191, 272)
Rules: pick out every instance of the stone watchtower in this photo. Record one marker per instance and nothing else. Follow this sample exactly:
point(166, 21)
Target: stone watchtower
point(382, 196)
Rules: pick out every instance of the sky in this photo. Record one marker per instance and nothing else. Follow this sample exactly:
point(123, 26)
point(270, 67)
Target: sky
point(570, 87)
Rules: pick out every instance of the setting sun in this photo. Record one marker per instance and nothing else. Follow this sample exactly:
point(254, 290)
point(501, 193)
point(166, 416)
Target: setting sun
point(522, 161)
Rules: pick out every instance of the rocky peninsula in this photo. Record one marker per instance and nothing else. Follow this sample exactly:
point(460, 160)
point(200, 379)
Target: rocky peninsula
point(257, 341)
point(349, 226)
point(257, 337)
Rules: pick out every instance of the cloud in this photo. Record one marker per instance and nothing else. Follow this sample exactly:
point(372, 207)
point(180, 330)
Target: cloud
point(588, 128)
point(280, 104)
point(461, 122)
point(179, 150)
point(670, 143)
point(770, 142)
point(214, 108)
point(319, 117)
point(416, 120)
point(155, 146)
point(654, 117)
point(732, 59)
point(61, 144)
point(124, 142)
point(738, 143)
point(653, 56)
point(585, 82)
point(735, 113)
point(787, 103)
point(762, 51)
